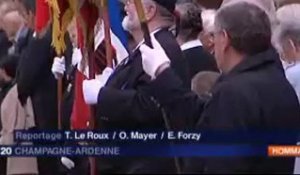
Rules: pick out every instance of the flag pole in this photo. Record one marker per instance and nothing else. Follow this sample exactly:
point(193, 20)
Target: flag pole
point(59, 101)
point(106, 21)
point(109, 61)
point(144, 26)
point(143, 22)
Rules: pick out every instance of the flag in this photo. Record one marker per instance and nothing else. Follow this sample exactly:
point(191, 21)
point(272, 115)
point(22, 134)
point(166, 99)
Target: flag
point(88, 25)
point(116, 17)
point(86, 20)
point(42, 18)
point(62, 12)
point(119, 39)
point(119, 49)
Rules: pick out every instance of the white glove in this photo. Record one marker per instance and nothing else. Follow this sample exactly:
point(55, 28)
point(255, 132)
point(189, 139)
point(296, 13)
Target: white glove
point(105, 75)
point(58, 67)
point(91, 90)
point(153, 59)
point(67, 162)
point(76, 56)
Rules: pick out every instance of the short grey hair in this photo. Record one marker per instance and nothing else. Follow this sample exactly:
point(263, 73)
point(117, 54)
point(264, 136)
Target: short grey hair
point(247, 26)
point(208, 20)
point(267, 5)
point(190, 24)
point(288, 27)
point(291, 11)
point(289, 30)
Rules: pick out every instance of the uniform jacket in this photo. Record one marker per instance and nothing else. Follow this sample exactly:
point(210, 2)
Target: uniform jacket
point(125, 104)
point(127, 90)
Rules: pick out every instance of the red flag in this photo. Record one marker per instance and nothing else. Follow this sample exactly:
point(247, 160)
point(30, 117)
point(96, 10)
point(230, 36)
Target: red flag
point(81, 111)
point(86, 21)
point(42, 18)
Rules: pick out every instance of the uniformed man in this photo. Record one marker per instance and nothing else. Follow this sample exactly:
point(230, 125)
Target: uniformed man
point(123, 102)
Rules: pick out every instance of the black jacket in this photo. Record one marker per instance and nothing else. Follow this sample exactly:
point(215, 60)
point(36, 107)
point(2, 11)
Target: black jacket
point(199, 60)
point(255, 95)
point(127, 89)
point(36, 80)
point(125, 104)
point(23, 42)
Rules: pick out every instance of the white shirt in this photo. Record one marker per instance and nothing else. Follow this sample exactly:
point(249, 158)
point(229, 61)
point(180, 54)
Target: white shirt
point(191, 44)
point(143, 41)
point(292, 72)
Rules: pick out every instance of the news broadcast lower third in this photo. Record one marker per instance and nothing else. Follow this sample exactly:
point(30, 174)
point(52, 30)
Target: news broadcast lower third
point(151, 144)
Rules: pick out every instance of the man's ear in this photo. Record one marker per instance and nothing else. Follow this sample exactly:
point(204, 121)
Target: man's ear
point(225, 39)
point(150, 12)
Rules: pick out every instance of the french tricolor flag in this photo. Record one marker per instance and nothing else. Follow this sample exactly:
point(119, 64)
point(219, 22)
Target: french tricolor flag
point(81, 111)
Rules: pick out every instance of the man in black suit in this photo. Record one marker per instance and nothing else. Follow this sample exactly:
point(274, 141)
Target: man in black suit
point(124, 103)
point(190, 27)
point(251, 95)
point(35, 80)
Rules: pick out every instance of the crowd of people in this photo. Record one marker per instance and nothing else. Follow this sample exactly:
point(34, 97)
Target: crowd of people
point(235, 68)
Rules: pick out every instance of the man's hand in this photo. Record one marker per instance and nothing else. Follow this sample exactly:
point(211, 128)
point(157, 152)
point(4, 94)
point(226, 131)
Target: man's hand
point(105, 75)
point(76, 56)
point(155, 60)
point(67, 162)
point(91, 88)
point(58, 67)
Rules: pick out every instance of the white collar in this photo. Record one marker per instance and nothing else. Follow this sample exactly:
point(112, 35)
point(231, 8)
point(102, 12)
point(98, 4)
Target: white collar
point(287, 65)
point(191, 44)
point(142, 42)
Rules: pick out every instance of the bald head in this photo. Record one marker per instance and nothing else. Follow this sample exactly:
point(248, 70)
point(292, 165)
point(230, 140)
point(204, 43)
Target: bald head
point(12, 23)
point(6, 7)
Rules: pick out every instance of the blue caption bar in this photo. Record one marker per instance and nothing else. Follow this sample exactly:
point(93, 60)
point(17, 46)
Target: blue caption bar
point(217, 137)
point(136, 150)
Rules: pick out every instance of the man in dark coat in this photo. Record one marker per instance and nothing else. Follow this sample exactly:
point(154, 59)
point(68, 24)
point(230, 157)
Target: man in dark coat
point(252, 94)
point(123, 103)
point(190, 27)
point(35, 80)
